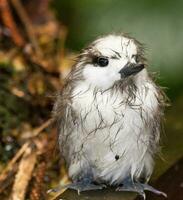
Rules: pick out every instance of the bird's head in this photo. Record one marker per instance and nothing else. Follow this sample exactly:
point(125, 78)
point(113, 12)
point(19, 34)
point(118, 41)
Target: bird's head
point(111, 59)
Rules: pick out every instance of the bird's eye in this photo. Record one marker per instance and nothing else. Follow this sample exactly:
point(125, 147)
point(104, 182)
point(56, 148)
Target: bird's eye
point(136, 58)
point(102, 61)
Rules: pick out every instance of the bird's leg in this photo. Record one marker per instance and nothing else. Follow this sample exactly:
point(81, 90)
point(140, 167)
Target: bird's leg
point(81, 185)
point(84, 185)
point(130, 186)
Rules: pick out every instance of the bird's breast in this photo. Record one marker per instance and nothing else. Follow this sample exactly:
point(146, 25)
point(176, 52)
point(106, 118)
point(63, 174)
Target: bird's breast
point(112, 134)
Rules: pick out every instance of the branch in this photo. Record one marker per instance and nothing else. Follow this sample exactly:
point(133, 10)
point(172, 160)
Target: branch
point(28, 25)
point(24, 174)
point(8, 21)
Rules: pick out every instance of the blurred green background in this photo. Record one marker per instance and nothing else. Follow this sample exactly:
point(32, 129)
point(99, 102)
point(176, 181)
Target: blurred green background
point(27, 85)
point(157, 24)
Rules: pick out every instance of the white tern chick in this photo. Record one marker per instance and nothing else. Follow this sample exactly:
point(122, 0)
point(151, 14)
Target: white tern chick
point(109, 114)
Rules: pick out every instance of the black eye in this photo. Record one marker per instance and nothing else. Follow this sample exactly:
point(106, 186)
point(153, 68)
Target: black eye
point(136, 58)
point(102, 61)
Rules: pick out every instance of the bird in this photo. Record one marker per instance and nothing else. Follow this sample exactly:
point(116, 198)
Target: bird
point(109, 116)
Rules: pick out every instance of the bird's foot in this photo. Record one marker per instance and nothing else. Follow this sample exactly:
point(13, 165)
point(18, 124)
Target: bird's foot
point(82, 186)
point(79, 187)
point(138, 187)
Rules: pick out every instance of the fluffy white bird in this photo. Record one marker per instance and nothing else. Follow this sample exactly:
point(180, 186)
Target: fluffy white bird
point(109, 117)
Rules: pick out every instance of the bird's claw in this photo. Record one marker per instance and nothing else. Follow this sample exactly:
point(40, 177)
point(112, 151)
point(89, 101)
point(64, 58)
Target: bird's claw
point(151, 189)
point(139, 188)
point(82, 186)
point(132, 188)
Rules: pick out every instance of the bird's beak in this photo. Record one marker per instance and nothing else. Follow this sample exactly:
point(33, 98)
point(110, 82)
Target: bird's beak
point(131, 69)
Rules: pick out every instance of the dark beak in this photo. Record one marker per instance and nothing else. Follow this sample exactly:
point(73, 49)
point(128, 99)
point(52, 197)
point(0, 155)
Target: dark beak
point(131, 69)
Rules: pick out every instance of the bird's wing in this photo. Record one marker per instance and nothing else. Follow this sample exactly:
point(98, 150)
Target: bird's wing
point(66, 120)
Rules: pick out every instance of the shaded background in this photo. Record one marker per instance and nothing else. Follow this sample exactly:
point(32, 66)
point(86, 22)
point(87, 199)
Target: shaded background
point(39, 41)
point(157, 24)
